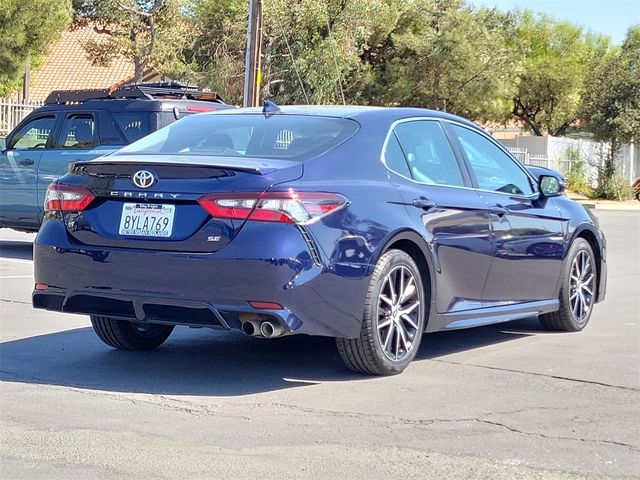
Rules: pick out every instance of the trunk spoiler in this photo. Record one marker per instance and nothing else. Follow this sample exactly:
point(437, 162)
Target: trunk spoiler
point(256, 166)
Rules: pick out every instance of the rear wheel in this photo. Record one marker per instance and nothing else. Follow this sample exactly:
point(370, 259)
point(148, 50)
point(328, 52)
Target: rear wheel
point(393, 320)
point(125, 335)
point(578, 290)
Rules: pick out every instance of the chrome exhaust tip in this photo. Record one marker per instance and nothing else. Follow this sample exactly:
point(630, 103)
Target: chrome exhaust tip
point(251, 328)
point(269, 329)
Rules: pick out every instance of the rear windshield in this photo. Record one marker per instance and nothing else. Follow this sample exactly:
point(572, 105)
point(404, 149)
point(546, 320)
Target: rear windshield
point(280, 136)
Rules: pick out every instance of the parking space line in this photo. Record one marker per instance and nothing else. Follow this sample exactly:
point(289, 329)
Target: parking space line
point(15, 276)
point(15, 260)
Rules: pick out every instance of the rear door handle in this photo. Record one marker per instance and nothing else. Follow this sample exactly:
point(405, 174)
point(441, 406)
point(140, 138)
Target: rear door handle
point(423, 203)
point(25, 163)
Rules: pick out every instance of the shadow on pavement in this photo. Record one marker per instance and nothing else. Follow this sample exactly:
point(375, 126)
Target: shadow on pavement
point(203, 362)
point(16, 249)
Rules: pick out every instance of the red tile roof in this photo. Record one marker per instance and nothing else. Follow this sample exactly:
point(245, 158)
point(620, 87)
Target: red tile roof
point(68, 67)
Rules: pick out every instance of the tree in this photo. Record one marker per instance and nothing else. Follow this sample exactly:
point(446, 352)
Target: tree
point(446, 55)
point(215, 57)
point(611, 103)
point(149, 32)
point(557, 57)
point(27, 28)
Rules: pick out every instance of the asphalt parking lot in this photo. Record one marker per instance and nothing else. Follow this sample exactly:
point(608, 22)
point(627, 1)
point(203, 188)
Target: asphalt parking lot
point(506, 401)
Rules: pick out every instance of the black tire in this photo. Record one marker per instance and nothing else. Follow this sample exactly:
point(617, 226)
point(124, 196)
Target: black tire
point(566, 319)
point(367, 353)
point(125, 335)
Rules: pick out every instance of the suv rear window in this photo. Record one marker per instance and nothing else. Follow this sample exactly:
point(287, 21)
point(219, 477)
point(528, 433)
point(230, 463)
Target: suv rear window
point(123, 128)
point(281, 136)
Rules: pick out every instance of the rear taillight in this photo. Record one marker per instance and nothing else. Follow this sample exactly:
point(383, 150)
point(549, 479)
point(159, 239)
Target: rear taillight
point(67, 198)
point(283, 207)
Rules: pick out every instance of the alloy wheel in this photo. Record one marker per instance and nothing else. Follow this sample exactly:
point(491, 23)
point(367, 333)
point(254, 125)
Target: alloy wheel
point(582, 281)
point(399, 311)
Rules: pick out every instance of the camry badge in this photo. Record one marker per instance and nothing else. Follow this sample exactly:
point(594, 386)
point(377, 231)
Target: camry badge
point(143, 179)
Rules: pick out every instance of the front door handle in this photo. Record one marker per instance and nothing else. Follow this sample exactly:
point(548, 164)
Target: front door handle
point(423, 203)
point(26, 162)
point(498, 210)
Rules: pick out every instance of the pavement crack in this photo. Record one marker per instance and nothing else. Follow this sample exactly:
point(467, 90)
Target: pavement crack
point(8, 300)
point(545, 375)
point(556, 437)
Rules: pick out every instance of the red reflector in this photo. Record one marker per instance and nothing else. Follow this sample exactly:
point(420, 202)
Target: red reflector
point(200, 109)
point(266, 305)
point(42, 286)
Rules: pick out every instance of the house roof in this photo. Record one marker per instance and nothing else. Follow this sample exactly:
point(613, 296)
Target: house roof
point(68, 67)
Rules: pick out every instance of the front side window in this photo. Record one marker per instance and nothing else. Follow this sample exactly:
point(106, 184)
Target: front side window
point(33, 135)
point(428, 153)
point(78, 131)
point(282, 137)
point(494, 169)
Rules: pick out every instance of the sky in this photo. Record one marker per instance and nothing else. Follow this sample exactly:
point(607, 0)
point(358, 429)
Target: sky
point(611, 17)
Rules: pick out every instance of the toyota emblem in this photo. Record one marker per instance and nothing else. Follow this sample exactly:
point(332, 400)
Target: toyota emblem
point(143, 179)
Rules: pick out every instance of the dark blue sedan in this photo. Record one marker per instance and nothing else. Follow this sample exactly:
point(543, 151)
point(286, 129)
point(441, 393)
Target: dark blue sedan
point(370, 225)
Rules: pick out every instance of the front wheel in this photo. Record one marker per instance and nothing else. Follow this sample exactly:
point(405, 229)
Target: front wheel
point(125, 335)
point(578, 290)
point(393, 319)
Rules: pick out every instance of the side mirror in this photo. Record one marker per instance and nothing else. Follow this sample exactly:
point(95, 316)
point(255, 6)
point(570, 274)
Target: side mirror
point(550, 186)
point(3, 144)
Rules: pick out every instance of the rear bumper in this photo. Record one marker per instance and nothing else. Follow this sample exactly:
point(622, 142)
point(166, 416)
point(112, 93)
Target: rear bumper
point(265, 262)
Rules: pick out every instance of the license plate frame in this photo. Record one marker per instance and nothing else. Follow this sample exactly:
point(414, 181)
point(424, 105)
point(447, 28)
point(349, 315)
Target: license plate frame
point(147, 220)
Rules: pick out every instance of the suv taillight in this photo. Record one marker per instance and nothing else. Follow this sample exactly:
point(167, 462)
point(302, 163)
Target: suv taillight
point(283, 207)
point(67, 198)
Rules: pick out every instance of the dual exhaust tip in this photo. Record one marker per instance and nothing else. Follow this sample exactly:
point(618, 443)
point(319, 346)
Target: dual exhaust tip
point(265, 328)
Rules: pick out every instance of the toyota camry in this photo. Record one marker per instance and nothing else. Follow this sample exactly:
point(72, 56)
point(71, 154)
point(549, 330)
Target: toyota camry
point(369, 225)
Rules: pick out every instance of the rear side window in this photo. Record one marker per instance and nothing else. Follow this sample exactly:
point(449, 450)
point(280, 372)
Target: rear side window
point(428, 153)
point(394, 157)
point(284, 137)
point(123, 128)
point(78, 131)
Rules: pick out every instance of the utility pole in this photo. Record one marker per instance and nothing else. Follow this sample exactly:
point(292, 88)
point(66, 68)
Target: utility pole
point(253, 58)
point(26, 80)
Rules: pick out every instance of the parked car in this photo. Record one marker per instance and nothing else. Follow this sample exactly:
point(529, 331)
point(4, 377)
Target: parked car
point(82, 125)
point(635, 188)
point(370, 225)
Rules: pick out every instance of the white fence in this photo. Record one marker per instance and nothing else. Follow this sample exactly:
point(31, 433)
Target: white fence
point(553, 152)
point(12, 112)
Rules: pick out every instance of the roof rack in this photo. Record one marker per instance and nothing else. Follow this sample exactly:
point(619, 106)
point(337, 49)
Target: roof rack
point(149, 91)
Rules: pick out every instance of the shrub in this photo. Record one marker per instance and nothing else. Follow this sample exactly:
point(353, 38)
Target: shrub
point(576, 177)
point(615, 187)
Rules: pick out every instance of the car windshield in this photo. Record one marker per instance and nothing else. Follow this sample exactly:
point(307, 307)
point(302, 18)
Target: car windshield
point(283, 137)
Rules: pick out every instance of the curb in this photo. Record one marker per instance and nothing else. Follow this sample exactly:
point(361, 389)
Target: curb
point(605, 206)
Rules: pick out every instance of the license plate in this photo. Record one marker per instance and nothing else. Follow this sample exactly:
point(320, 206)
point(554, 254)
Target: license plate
point(144, 220)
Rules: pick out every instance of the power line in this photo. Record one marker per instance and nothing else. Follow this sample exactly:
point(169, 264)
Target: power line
point(333, 51)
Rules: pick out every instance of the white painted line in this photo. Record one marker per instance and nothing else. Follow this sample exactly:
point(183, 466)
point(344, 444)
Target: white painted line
point(2, 277)
point(15, 260)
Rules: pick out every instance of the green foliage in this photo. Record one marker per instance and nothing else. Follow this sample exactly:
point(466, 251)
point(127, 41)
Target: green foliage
point(314, 50)
point(557, 57)
point(449, 56)
point(575, 176)
point(611, 110)
point(215, 56)
point(149, 32)
point(611, 103)
point(27, 28)
point(614, 187)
